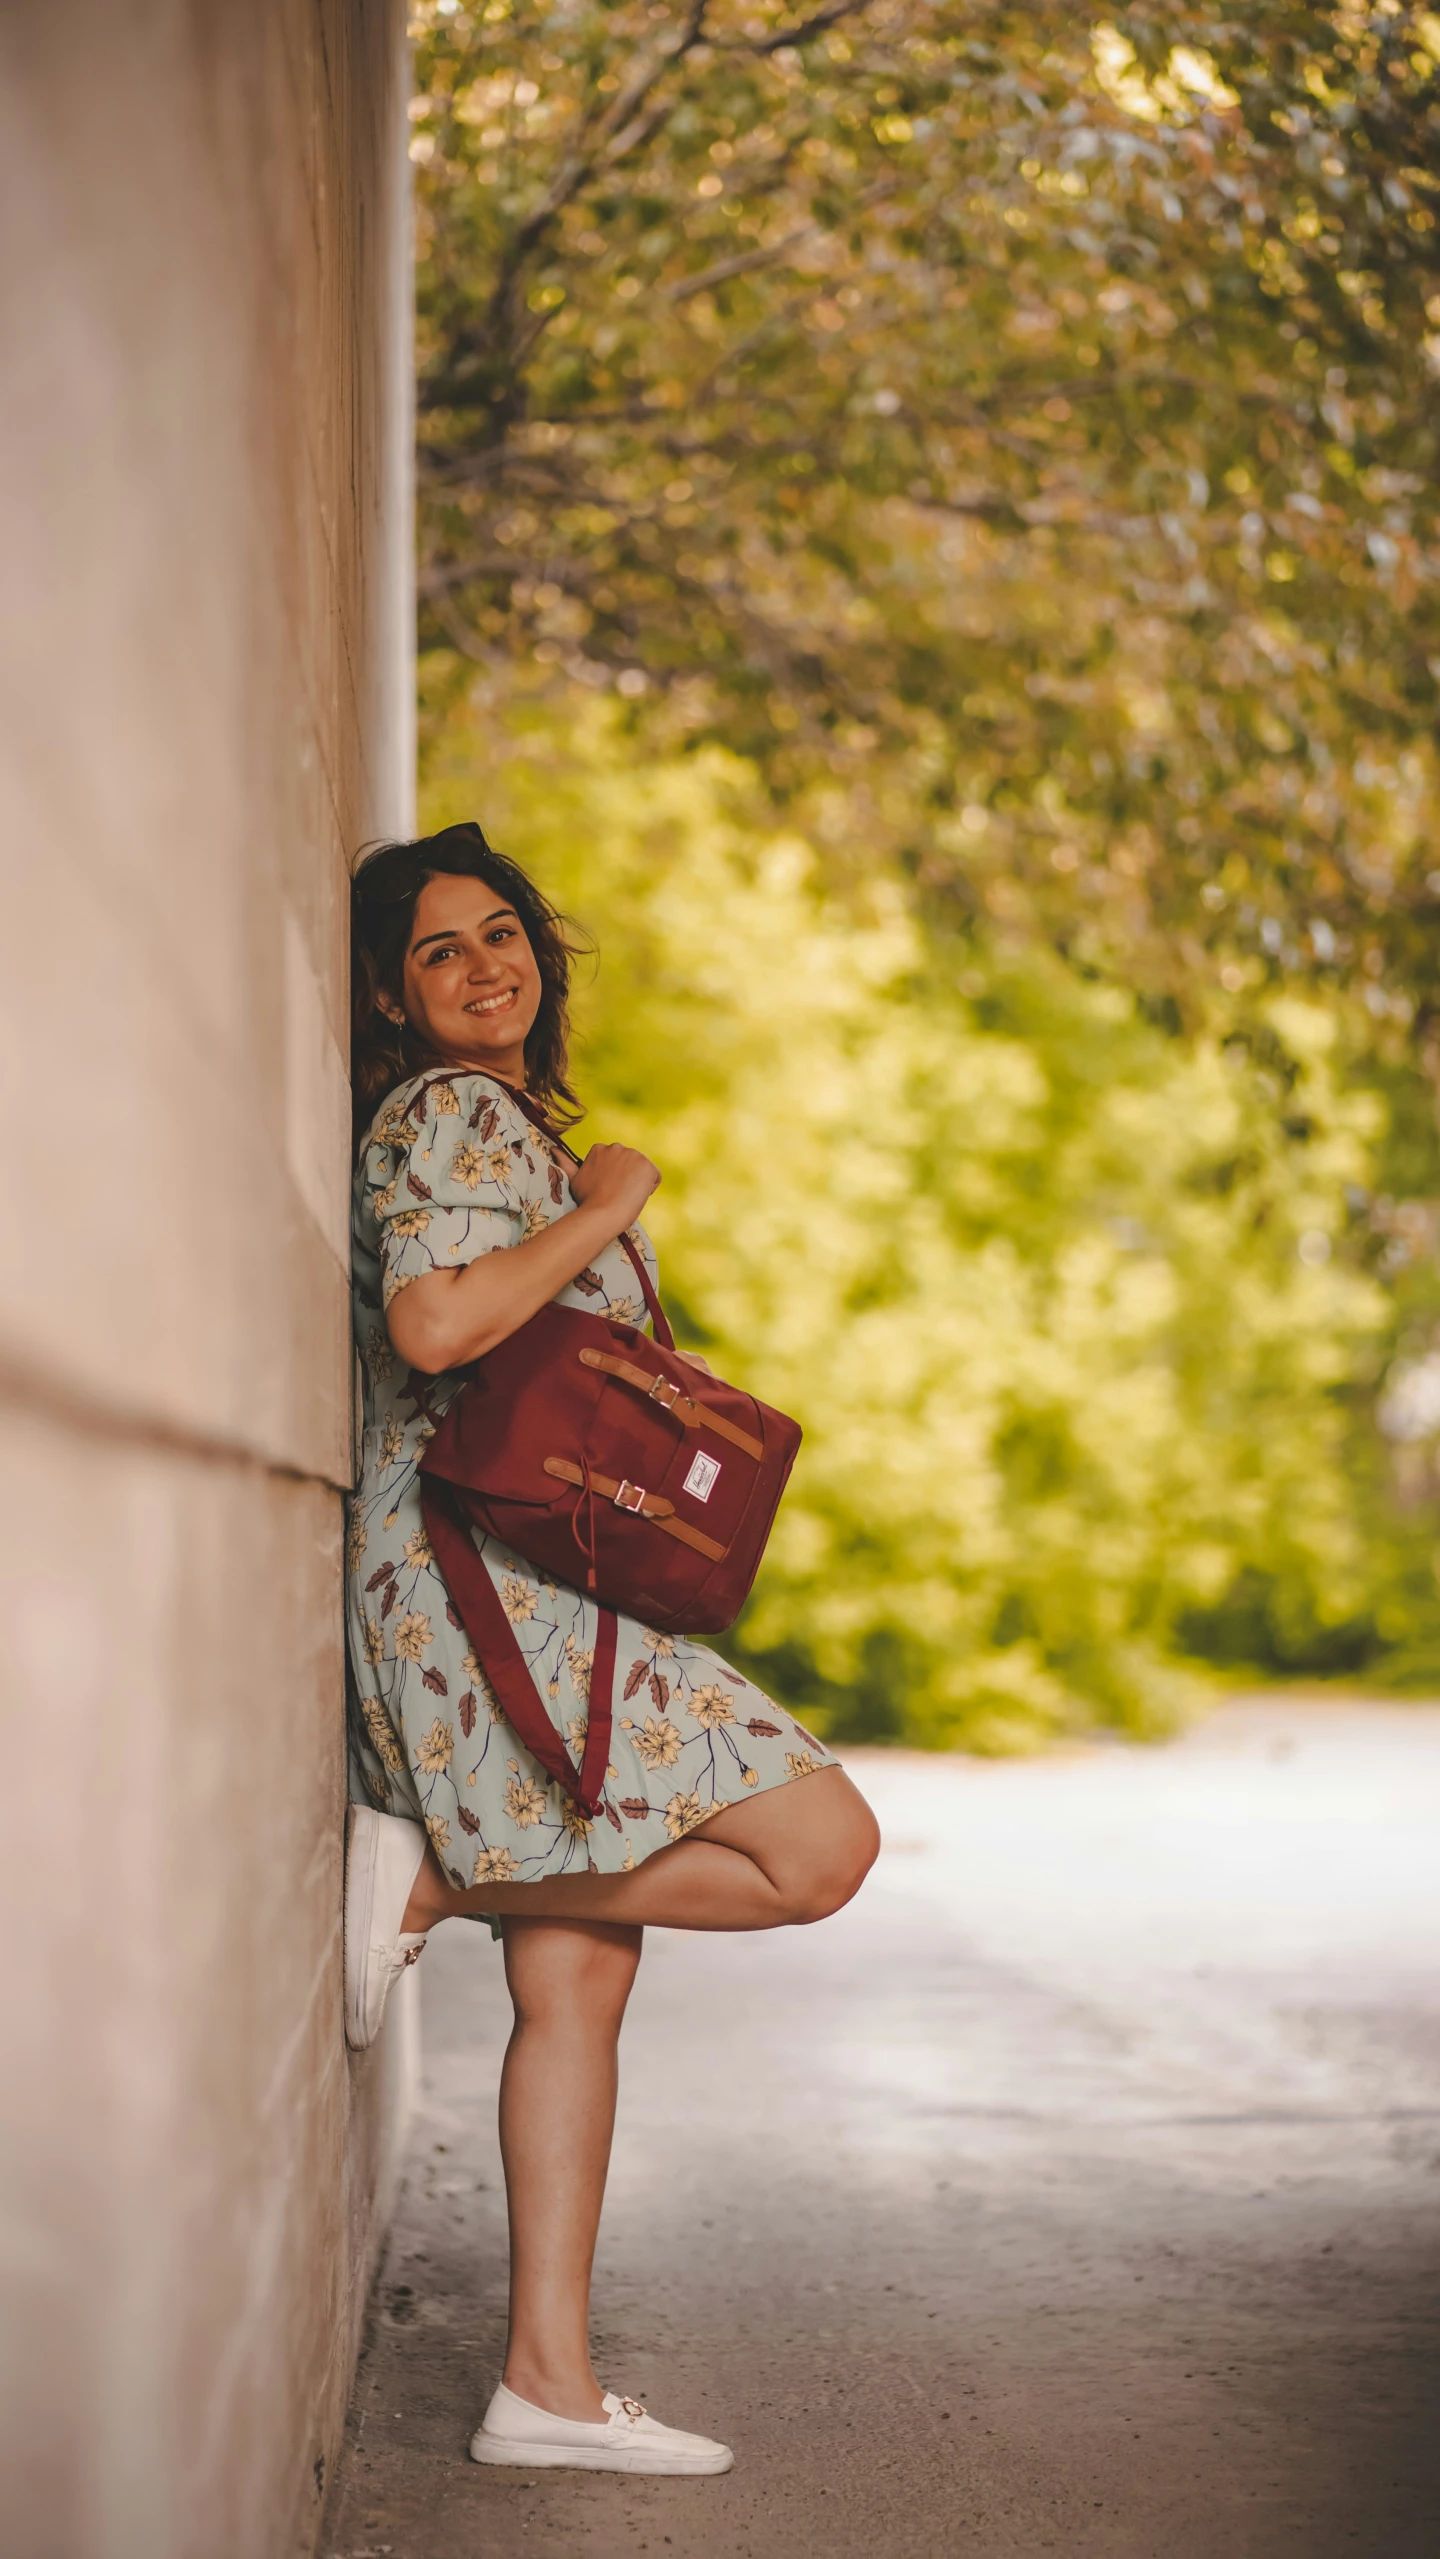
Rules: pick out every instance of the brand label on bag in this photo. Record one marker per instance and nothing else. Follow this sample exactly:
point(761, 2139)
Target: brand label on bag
point(703, 1476)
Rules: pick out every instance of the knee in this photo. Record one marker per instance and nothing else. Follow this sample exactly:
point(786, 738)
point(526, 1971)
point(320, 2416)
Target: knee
point(837, 1872)
point(571, 1975)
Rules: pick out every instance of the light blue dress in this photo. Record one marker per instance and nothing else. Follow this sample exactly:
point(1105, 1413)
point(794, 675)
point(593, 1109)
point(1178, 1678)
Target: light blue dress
point(463, 1173)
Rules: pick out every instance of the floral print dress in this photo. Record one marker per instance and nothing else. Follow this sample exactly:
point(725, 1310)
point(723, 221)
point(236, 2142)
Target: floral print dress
point(449, 1170)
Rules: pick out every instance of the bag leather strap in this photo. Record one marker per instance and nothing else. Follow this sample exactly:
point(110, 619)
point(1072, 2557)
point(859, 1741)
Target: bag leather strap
point(506, 1668)
point(651, 1506)
point(690, 1415)
point(660, 1321)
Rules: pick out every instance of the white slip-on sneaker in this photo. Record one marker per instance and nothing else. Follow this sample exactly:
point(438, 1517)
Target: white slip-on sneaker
point(382, 1860)
point(522, 2437)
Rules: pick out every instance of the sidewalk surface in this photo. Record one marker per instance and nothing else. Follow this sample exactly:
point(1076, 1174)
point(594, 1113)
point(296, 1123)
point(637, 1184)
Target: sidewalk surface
point(1078, 2189)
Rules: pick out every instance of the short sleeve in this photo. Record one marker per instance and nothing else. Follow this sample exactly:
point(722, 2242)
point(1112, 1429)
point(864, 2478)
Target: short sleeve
point(453, 1170)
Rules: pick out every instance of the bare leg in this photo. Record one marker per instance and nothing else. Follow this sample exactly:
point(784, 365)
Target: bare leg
point(571, 1949)
point(794, 1854)
point(569, 1980)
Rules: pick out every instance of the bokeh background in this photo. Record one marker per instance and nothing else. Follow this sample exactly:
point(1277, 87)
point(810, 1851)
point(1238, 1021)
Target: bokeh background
point(928, 547)
point(928, 544)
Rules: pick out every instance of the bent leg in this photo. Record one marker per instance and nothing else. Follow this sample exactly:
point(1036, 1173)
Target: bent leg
point(569, 1981)
point(792, 1855)
point(813, 1841)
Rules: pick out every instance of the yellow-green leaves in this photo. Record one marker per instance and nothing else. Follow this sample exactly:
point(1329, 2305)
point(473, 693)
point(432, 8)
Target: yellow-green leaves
point(1068, 1306)
point(1009, 362)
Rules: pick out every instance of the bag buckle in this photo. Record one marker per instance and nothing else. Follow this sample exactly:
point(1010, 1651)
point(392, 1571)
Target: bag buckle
point(664, 1391)
point(630, 1497)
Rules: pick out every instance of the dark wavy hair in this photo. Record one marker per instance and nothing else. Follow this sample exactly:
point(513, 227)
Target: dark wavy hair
point(384, 892)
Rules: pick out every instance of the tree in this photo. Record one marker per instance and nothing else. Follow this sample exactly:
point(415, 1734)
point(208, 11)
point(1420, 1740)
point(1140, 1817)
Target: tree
point(1013, 431)
point(1078, 1317)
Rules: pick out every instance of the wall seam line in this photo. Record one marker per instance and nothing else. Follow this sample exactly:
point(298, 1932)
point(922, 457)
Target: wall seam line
point(72, 1408)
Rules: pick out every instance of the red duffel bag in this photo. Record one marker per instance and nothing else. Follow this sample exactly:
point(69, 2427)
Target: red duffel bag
point(605, 1462)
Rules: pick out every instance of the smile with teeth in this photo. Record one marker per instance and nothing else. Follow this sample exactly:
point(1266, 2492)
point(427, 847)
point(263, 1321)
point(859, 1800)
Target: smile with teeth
point(491, 1003)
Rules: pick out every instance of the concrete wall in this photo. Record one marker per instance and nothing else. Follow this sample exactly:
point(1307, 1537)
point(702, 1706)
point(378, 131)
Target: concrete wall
point(206, 686)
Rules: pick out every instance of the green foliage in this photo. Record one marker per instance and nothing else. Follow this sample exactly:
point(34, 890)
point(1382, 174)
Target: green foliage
point(980, 461)
point(1012, 429)
point(1077, 1312)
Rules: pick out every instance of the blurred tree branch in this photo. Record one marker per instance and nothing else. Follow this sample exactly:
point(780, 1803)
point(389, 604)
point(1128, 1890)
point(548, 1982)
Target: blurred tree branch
point(813, 382)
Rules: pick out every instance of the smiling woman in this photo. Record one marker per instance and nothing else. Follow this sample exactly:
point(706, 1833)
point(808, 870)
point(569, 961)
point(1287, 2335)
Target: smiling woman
point(401, 1020)
point(469, 981)
point(457, 967)
point(469, 1217)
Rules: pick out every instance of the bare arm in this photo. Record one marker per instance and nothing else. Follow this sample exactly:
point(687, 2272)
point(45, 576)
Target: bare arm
point(449, 1317)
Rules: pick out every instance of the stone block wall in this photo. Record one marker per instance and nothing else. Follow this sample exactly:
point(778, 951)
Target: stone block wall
point(204, 629)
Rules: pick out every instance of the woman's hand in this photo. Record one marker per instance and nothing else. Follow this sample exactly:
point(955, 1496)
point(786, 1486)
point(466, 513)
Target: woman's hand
point(692, 1359)
point(615, 1181)
point(449, 1317)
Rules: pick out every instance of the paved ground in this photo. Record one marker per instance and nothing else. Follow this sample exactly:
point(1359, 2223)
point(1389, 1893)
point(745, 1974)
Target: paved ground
point(1077, 2190)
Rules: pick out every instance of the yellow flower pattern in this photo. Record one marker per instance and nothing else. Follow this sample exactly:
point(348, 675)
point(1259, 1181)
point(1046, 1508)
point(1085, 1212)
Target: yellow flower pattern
point(494, 1866)
point(579, 1664)
point(449, 1170)
point(467, 1166)
point(435, 1748)
point(394, 1126)
point(685, 1813)
point(411, 1637)
point(657, 1743)
point(710, 1706)
point(382, 1733)
point(524, 1802)
point(519, 1599)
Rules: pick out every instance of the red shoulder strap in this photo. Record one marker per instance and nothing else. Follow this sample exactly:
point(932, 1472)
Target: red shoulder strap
point(489, 1630)
point(539, 1119)
point(658, 1316)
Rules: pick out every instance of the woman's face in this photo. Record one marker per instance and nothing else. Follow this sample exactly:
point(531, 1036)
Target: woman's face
point(472, 989)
